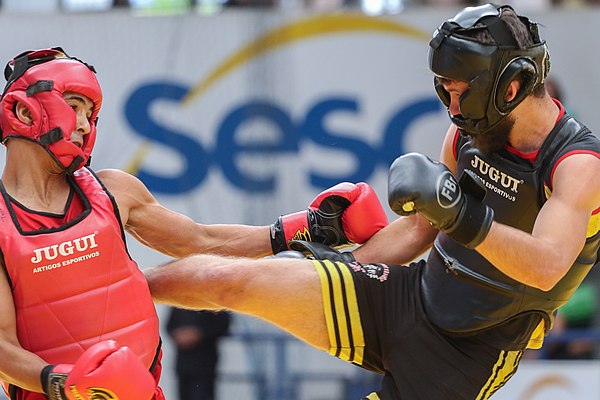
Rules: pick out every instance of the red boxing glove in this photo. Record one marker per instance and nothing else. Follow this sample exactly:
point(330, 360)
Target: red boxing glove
point(104, 371)
point(344, 214)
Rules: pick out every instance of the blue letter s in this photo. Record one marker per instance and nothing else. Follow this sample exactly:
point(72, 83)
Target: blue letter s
point(137, 111)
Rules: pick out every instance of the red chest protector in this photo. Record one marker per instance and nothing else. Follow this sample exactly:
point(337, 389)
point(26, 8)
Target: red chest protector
point(76, 285)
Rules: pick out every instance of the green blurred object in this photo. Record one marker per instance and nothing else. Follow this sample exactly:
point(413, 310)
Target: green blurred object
point(582, 306)
point(161, 7)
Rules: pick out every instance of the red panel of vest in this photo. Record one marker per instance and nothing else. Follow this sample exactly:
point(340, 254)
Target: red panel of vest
point(77, 285)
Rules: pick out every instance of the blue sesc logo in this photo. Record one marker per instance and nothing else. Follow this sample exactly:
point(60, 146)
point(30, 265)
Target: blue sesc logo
point(198, 159)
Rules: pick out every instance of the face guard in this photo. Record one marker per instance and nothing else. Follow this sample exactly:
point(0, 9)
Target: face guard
point(38, 79)
point(487, 68)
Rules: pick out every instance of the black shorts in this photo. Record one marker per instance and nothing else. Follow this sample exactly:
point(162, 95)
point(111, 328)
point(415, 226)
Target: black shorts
point(375, 320)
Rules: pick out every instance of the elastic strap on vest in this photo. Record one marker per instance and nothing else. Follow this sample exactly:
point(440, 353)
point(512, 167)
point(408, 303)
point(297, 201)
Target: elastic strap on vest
point(156, 355)
point(4, 270)
point(12, 392)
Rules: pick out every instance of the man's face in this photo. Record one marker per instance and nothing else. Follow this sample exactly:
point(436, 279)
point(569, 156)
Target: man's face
point(83, 108)
point(493, 140)
point(455, 89)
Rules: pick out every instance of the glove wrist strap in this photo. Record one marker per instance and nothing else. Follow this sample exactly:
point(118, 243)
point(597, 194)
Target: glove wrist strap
point(473, 223)
point(53, 382)
point(278, 243)
point(45, 376)
point(290, 227)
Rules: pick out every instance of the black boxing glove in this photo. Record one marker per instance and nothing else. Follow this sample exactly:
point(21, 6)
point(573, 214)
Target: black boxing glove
point(418, 184)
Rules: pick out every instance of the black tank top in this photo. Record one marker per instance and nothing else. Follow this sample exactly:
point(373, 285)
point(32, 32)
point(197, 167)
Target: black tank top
point(465, 294)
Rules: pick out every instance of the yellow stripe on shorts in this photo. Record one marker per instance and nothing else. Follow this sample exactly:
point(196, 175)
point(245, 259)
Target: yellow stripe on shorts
point(537, 337)
point(593, 225)
point(503, 370)
point(344, 327)
point(373, 396)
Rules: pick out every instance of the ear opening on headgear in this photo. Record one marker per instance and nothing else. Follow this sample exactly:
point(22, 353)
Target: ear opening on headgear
point(521, 69)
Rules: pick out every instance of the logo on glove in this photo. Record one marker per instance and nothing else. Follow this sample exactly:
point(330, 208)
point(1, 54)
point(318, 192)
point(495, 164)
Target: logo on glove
point(301, 235)
point(447, 190)
point(93, 393)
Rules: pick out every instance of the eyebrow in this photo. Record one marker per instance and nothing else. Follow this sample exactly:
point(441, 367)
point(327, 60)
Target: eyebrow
point(80, 99)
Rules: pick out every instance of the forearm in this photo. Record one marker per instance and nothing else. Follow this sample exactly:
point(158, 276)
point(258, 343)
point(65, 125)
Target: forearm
point(20, 367)
point(399, 243)
point(542, 258)
point(237, 240)
point(184, 240)
point(526, 258)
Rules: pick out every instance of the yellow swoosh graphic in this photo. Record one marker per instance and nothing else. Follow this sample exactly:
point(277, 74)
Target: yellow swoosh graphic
point(293, 32)
point(544, 382)
point(300, 30)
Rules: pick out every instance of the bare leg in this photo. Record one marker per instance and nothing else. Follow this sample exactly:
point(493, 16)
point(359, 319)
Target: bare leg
point(284, 292)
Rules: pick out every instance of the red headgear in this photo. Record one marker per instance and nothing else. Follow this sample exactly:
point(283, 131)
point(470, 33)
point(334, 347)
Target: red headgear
point(38, 79)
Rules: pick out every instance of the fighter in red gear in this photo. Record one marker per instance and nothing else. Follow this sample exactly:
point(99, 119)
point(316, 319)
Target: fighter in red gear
point(68, 281)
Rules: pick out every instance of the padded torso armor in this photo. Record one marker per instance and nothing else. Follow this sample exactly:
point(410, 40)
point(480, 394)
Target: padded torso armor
point(463, 293)
point(76, 285)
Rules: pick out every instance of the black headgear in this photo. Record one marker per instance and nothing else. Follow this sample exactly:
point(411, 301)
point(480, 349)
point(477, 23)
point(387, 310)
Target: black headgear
point(487, 68)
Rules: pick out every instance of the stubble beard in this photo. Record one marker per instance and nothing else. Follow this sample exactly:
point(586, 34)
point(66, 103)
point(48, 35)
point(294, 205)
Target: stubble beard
point(495, 139)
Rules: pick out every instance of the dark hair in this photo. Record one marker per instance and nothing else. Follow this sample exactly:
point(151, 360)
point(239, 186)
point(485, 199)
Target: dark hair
point(514, 24)
point(520, 33)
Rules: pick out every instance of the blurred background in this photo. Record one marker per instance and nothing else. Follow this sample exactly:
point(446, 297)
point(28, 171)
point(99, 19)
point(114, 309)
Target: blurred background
point(237, 111)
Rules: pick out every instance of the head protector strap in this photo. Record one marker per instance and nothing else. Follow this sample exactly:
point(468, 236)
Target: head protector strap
point(38, 79)
point(488, 68)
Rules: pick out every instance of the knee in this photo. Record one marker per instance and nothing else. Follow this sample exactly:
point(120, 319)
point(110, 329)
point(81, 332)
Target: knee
point(227, 285)
point(198, 282)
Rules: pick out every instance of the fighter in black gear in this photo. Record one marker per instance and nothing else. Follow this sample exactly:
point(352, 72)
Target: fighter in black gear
point(510, 214)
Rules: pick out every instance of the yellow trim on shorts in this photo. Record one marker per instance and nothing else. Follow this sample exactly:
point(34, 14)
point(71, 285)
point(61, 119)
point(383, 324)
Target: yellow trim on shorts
point(503, 370)
point(593, 226)
point(340, 305)
point(373, 396)
point(537, 337)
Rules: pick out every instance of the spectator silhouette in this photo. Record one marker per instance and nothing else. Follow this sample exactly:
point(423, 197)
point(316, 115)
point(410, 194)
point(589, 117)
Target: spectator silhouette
point(196, 335)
